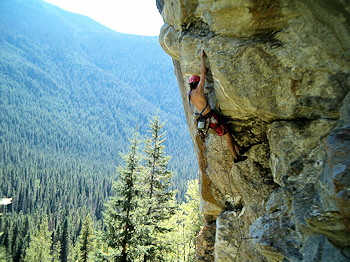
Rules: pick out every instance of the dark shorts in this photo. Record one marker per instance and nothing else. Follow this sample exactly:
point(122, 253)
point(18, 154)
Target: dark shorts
point(216, 123)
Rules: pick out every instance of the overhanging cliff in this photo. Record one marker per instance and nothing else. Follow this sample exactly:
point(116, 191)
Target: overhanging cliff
point(279, 71)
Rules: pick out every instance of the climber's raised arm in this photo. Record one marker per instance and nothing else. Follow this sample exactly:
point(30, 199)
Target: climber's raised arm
point(203, 72)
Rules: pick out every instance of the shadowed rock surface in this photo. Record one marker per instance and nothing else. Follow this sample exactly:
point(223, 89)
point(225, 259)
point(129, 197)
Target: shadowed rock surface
point(279, 72)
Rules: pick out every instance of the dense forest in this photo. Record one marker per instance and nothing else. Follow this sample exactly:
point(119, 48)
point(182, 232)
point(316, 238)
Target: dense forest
point(72, 94)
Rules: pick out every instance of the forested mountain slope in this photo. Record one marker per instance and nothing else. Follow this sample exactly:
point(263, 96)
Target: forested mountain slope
point(71, 94)
point(73, 87)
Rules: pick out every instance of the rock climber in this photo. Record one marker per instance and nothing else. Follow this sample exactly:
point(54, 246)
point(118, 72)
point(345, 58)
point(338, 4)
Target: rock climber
point(200, 101)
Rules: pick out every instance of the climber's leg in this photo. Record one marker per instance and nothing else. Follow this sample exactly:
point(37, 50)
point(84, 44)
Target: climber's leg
point(231, 144)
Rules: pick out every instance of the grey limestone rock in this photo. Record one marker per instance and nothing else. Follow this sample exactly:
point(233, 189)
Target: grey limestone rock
point(279, 73)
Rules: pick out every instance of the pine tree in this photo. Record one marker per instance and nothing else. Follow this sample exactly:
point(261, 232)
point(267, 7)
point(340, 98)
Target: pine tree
point(159, 199)
point(86, 240)
point(64, 239)
point(121, 214)
point(39, 249)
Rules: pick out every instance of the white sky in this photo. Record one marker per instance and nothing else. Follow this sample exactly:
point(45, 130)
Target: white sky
point(139, 17)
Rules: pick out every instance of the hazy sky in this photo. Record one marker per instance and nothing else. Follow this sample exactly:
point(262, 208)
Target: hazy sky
point(140, 17)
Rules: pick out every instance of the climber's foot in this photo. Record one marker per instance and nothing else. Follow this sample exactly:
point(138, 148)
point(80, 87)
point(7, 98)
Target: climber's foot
point(240, 159)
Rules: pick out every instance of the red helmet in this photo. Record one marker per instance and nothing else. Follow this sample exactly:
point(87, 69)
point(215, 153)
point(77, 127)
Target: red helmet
point(194, 79)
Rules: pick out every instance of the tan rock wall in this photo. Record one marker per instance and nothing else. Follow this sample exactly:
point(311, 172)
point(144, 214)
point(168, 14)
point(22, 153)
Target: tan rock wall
point(279, 71)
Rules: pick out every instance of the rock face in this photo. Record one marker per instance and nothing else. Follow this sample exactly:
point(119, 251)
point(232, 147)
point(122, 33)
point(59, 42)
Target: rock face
point(279, 72)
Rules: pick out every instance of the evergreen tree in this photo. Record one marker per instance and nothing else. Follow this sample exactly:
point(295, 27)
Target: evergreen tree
point(39, 249)
point(121, 214)
point(64, 239)
point(86, 240)
point(46, 143)
point(159, 199)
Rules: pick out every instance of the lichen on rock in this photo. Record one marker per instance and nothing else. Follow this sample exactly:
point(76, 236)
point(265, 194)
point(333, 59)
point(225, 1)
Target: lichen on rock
point(279, 72)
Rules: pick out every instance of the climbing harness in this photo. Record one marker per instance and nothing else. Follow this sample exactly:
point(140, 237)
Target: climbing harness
point(202, 127)
point(201, 121)
point(202, 124)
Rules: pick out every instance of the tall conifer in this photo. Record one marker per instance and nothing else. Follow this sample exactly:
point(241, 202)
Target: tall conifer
point(64, 239)
point(121, 214)
point(86, 240)
point(159, 199)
